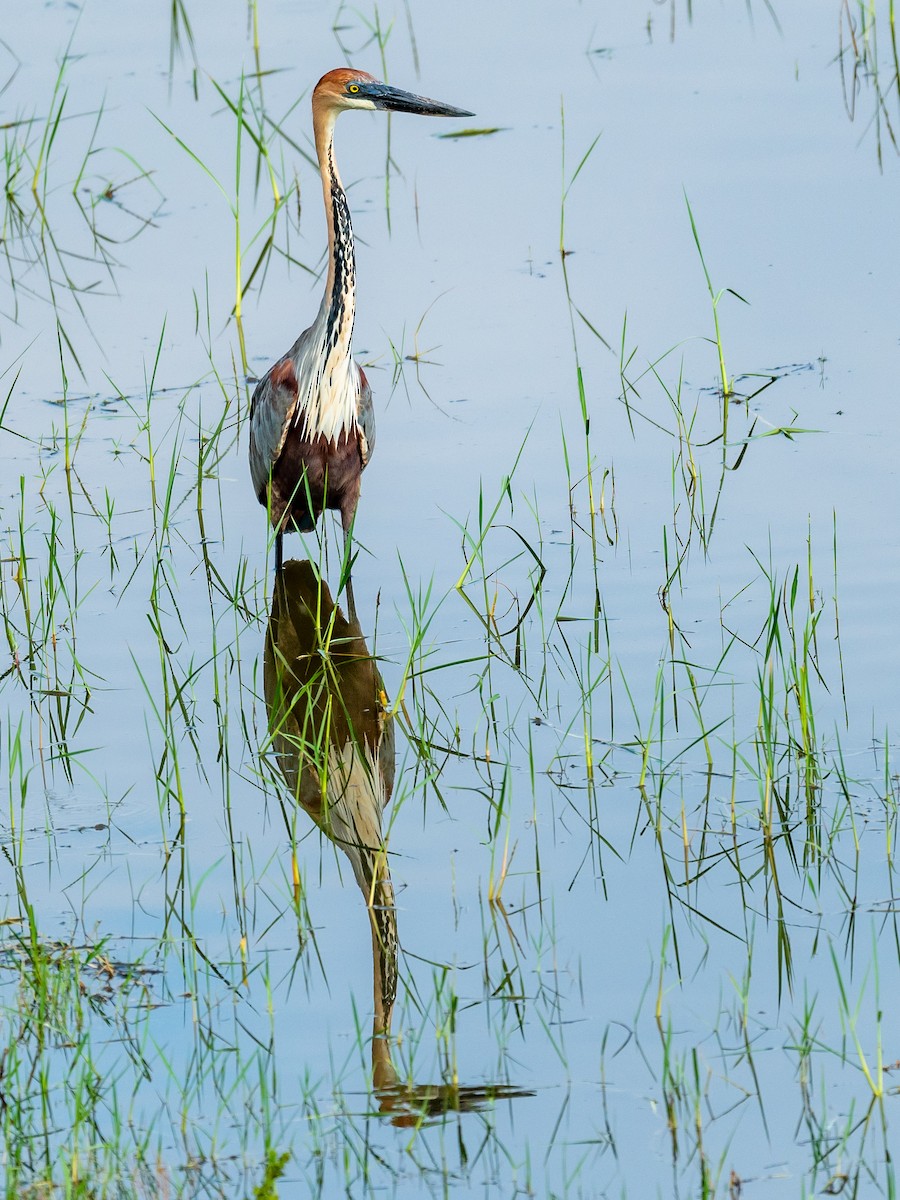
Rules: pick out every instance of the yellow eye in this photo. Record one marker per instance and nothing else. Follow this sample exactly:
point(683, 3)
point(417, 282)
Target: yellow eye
point(354, 87)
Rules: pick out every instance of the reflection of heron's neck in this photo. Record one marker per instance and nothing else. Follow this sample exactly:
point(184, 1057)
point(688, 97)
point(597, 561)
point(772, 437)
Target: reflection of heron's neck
point(383, 1073)
point(339, 302)
point(383, 917)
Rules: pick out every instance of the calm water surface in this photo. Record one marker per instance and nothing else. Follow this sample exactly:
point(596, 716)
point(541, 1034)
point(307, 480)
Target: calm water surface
point(642, 836)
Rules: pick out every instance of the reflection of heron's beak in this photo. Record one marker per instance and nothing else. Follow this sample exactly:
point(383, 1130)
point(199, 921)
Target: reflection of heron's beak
point(334, 748)
point(413, 1104)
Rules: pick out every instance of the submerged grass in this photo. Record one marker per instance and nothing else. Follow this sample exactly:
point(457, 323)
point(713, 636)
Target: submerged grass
point(870, 65)
point(67, 204)
point(634, 839)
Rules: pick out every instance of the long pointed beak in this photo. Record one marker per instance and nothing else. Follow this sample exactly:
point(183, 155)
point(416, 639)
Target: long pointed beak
point(395, 100)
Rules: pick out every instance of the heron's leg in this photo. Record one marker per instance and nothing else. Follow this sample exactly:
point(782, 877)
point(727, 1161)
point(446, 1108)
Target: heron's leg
point(347, 524)
point(278, 552)
point(351, 602)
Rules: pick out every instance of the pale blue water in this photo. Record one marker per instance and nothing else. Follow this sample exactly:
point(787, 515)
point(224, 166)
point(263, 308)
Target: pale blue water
point(795, 215)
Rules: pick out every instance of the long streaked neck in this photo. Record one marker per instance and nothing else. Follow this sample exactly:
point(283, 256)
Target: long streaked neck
point(338, 308)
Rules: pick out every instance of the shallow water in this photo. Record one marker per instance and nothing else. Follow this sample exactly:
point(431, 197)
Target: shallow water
point(642, 833)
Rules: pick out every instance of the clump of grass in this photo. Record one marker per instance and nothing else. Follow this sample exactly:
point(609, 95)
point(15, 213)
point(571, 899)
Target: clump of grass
point(251, 120)
point(37, 204)
point(866, 68)
point(715, 299)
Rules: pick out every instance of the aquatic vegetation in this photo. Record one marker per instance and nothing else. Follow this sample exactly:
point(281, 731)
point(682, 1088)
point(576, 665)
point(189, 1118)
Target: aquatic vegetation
point(623, 577)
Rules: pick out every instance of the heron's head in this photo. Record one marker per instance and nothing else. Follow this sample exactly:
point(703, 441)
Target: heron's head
point(345, 88)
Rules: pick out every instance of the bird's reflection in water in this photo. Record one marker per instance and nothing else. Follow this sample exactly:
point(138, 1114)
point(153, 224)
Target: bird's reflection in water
point(335, 747)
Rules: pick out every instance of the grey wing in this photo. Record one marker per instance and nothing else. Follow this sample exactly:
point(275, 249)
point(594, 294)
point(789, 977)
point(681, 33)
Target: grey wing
point(365, 416)
point(273, 403)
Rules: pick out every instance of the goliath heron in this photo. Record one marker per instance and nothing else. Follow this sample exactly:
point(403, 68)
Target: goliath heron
point(312, 425)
